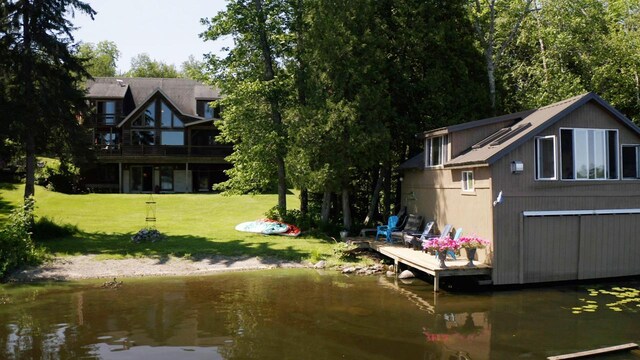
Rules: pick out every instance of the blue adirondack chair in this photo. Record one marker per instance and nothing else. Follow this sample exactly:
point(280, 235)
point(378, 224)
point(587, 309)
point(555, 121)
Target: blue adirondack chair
point(387, 229)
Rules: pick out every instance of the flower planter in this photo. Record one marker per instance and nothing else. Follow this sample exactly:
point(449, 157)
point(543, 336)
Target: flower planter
point(442, 256)
point(471, 254)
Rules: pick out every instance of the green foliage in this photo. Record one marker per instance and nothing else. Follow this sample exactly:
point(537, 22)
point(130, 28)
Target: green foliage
point(46, 228)
point(292, 216)
point(344, 251)
point(100, 59)
point(16, 247)
point(59, 176)
point(143, 66)
point(42, 79)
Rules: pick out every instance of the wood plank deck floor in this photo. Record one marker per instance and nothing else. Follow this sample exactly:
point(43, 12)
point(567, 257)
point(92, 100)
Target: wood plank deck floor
point(425, 262)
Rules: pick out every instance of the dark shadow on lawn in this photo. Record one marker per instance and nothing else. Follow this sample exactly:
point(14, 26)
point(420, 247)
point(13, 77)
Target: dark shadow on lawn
point(185, 246)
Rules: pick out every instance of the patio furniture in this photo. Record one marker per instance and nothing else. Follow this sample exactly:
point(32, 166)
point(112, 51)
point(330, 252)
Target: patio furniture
point(414, 240)
point(456, 236)
point(387, 229)
point(412, 226)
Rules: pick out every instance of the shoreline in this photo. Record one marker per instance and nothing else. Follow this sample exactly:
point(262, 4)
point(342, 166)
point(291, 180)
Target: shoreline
point(82, 267)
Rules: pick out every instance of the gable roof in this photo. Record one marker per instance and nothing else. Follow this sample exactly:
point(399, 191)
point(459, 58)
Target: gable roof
point(477, 123)
point(488, 152)
point(182, 93)
point(160, 94)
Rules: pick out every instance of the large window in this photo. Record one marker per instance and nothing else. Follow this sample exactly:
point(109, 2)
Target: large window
point(106, 112)
point(107, 139)
point(589, 154)
point(168, 118)
point(467, 181)
point(172, 138)
point(143, 137)
point(630, 161)
point(436, 151)
point(148, 118)
point(545, 158)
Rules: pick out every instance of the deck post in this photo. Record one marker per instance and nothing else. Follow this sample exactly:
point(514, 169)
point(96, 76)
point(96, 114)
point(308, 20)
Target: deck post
point(120, 177)
point(436, 282)
point(396, 264)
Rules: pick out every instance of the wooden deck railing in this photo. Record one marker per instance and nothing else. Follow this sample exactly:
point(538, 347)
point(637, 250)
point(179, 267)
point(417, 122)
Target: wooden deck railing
point(164, 150)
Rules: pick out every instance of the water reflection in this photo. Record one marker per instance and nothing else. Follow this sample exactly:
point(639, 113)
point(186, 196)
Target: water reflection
point(301, 314)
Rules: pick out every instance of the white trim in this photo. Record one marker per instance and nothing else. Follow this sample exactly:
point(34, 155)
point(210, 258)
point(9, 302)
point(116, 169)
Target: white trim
point(537, 160)
point(580, 212)
point(470, 188)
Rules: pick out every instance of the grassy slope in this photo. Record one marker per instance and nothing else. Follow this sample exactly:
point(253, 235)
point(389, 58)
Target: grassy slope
point(194, 224)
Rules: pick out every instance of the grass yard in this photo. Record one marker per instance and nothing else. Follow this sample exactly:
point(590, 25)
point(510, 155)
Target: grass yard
point(194, 224)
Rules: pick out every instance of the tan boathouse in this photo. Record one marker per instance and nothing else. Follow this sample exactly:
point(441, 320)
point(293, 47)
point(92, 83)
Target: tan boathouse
point(556, 190)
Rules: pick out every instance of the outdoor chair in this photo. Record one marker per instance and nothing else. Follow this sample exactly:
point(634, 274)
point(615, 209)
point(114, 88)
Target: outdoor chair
point(387, 229)
point(412, 226)
point(414, 240)
point(456, 236)
point(445, 232)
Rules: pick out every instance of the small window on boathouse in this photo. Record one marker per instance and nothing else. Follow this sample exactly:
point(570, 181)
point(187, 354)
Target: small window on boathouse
point(467, 181)
point(545, 158)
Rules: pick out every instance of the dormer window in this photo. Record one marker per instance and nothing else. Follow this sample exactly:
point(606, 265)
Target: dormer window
point(436, 151)
point(205, 110)
point(106, 111)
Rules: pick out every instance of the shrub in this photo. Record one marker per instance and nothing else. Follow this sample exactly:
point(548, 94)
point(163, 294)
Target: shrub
point(59, 176)
point(47, 229)
point(293, 217)
point(16, 246)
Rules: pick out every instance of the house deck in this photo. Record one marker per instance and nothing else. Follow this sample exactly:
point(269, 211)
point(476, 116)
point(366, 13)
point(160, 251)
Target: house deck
point(427, 263)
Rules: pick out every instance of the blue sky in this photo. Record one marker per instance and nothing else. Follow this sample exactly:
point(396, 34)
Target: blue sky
point(167, 30)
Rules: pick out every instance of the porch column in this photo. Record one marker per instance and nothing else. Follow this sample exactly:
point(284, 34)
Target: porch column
point(186, 177)
point(120, 177)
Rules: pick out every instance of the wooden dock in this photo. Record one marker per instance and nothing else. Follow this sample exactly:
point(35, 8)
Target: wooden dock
point(426, 263)
point(595, 352)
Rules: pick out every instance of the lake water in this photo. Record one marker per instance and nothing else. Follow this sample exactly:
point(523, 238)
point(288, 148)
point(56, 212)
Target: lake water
point(304, 314)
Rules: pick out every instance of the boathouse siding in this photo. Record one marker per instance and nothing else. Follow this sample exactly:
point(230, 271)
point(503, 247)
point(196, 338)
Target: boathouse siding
point(542, 230)
point(538, 247)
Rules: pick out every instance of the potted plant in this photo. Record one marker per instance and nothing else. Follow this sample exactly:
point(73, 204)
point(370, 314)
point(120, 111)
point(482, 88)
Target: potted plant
point(471, 245)
point(441, 245)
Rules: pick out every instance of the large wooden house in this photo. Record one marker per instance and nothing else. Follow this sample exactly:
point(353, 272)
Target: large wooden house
point(154, 135)
point(556, 190)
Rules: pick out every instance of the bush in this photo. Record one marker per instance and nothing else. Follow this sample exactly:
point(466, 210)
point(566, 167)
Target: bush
point(47, 229)
point(16, 246)
point(59, 176)
point(293, 217)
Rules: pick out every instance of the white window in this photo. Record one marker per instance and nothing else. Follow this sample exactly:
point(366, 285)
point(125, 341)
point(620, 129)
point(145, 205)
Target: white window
point(467, 181)
point(545, 148)
point(436, 151)
point(589, 154)
point(630, 162)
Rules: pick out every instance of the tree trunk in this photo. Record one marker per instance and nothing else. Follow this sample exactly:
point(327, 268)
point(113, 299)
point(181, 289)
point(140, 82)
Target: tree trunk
point(326, 207)
point(346, 210)
point(386, 171)
point(375, 198)
point(276, 117)
point(491, 77)
point(304, 201)
point(27, 77)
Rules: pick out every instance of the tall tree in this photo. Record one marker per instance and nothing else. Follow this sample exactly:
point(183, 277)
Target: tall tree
point(100, 59)
point(45, 78)
point(497, 24)
point(143, 66)
point(251, 77)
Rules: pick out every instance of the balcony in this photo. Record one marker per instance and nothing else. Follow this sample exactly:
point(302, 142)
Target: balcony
point(103, 120)
point(163, 150)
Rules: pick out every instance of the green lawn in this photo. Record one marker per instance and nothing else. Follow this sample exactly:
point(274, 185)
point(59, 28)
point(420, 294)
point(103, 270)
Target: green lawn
point(195, 224)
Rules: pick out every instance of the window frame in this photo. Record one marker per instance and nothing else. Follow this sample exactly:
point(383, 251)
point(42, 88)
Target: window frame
point(467, 178)
point(637, 153)
point(442, 155)
point(607, 156)
point(537, 158)
point(165, 169)
point(162, 137)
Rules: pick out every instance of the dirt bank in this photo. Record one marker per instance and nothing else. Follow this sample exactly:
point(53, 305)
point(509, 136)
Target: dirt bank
point(88, 267)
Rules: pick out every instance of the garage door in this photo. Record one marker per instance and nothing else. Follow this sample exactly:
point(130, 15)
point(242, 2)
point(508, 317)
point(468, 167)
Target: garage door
point(569, 245)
